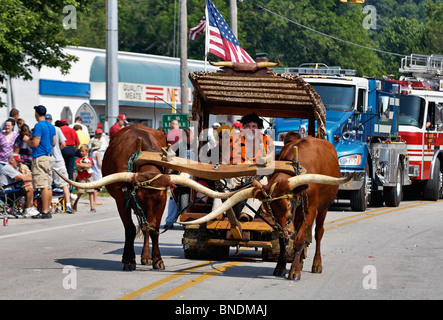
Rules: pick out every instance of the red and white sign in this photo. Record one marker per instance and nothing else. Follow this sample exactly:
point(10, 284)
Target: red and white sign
point(140, 92)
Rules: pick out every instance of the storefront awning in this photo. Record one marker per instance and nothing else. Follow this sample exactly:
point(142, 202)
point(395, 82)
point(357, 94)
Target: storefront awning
point(141, 82)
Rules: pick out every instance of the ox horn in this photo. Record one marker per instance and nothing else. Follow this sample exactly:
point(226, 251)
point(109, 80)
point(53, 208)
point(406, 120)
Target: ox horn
point(248, 193)
point(176, 179)
point(112, 178)
point(268, 64)
point(228, 204)
point(130, 176)
point(315, 178)
point(222, 64)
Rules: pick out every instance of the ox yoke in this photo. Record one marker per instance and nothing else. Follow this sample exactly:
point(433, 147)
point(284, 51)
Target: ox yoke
point(211, 171)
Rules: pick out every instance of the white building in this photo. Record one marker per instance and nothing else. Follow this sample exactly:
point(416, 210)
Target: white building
point(148, 84)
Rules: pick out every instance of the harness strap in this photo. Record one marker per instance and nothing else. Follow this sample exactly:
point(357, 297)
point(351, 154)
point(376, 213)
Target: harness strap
point(146, 184)
point(131, 199)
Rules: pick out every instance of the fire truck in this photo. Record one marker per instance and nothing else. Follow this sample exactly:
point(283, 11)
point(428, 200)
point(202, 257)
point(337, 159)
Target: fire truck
point(379, 130)
point(421, 121)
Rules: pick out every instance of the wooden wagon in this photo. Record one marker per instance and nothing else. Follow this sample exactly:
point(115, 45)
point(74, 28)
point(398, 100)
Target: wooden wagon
point(239, 90)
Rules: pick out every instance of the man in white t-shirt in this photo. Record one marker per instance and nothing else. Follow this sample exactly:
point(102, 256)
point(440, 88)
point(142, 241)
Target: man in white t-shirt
point(10, 174)
point(79, 121)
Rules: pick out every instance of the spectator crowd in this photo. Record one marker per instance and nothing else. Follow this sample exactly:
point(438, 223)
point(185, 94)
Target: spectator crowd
point(28, 157)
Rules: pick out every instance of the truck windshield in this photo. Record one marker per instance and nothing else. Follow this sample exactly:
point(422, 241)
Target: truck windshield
point(412, 111)
point(336, 97)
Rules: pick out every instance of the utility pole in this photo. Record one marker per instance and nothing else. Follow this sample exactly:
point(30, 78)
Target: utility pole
point(184, 57)
point(233, 6)
point(112, 106)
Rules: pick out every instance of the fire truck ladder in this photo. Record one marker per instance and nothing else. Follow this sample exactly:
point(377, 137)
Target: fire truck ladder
point(423, 66)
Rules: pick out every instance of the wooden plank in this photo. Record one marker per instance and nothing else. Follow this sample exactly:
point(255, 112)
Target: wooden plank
point(211, 172)
point(250, 226)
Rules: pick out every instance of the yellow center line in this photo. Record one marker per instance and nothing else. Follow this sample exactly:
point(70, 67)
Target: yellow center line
point(197, 280)
point(420, 203)
point(207, 275)
point(163, 281)
point(370, 213)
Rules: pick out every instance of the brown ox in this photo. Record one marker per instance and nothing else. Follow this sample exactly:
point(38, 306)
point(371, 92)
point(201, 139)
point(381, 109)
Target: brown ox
point(151, 198)
point(122, 146)
point(319, 159)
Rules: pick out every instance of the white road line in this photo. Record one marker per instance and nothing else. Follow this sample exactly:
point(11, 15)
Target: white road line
point(55, 228)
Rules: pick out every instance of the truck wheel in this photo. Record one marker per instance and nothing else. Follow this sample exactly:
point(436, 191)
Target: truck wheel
point(393, 195)
point(376, 199)
point(360, 198)
point(433, 187)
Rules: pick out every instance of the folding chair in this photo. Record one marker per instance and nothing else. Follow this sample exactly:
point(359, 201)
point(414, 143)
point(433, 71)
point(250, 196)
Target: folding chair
point(12, 199)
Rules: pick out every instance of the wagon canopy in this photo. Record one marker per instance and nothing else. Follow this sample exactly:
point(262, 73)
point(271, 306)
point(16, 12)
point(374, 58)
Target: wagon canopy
point(271, 95)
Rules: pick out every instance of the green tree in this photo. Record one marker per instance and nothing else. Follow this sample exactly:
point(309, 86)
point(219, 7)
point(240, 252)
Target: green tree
point(30, 36)
point(401, 36)
point(433, 29)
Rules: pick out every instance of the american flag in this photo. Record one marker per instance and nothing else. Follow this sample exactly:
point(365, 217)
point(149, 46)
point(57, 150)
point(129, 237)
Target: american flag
point(222, 42)
point(200, 28)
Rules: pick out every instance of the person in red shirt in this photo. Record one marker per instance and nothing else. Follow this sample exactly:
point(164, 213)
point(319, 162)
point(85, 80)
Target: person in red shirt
point(118, 125)
point(175, 134)
point(72, 142)
point(84, 168)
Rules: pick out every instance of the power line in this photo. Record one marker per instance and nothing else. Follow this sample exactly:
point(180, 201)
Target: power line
point(326, 35)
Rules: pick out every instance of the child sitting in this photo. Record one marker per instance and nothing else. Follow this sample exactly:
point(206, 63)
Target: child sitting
point(84, 168)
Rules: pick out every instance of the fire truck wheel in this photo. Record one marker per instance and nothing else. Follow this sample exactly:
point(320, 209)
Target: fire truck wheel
point(393, 195)
point(433, 187)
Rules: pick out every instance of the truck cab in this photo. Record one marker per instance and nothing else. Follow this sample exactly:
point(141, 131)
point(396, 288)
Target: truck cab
point(356, 125)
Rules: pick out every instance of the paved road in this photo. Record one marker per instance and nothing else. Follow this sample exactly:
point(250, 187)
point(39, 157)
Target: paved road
point(384, 253)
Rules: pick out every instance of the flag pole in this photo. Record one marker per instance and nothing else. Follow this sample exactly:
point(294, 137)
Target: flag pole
point(206, 36)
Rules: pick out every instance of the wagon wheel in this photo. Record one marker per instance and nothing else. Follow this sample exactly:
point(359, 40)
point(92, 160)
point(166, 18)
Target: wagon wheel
point(195, 245)
point(272, 254)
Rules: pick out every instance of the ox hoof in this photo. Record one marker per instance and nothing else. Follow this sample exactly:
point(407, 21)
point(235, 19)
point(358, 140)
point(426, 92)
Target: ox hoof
point(129, 266)
point(316, 269)
point(294, 276)
point(279, 272)
point(146, 262)
point(159, 265)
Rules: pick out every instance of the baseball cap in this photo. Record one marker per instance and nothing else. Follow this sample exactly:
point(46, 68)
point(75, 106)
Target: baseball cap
point(17, 158)
point(48, 116)
point(123, 117)
point(98, 131)
point(64, 121)
point(41, 110)
point(216, 124)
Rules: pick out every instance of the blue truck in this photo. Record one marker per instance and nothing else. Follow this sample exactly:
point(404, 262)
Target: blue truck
point(362, 124)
